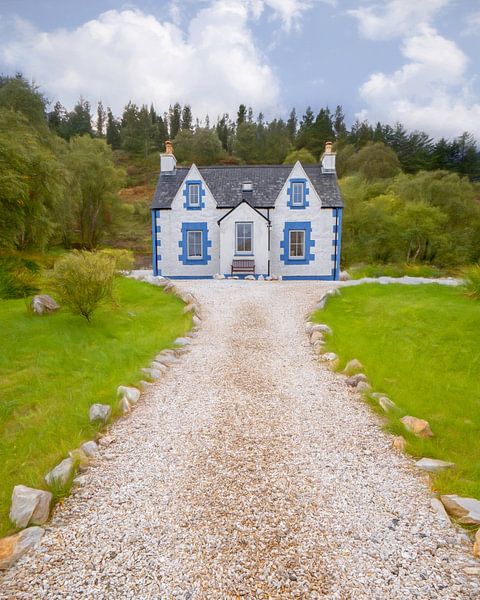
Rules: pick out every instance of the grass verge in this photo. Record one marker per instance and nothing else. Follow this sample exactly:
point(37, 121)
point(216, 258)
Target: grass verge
point(419, 345)
point(53, 368)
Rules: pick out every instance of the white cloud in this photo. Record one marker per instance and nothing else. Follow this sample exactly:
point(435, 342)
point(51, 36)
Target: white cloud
point(472, 24)
point(395, 18)
point(127, 54)
point(430, 92)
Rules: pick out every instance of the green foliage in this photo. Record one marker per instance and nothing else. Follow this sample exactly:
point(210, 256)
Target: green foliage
point(430, 217)
point(22, 97)
point(82, 281)
point(95, 183)
point(472, 281)
point(18, 277)
point(201, 146)
point(303, 155)
point(124, 260)
point(374, 161)
point(419, 345)
point(33, 181)
point(53, 369)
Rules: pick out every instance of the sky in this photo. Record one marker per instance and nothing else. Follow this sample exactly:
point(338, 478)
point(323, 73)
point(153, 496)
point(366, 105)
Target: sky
point(413, 61)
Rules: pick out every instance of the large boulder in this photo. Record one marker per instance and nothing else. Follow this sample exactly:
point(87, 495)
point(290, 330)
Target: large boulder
point(14, 546)
point(61, 474)
point(433, 465)
point(189, 308)
point(465, 510)
point(130, 393)
point(100, 412)
point(29, 506)
point(344, 276)
point(399, 443)
point(196, 320)
point(328, 356)
point(181, 341)
point(418, 427)
point(43, 303)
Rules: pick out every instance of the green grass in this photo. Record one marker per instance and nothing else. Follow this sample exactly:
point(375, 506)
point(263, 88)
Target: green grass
point(53, 368)
point(421, 346)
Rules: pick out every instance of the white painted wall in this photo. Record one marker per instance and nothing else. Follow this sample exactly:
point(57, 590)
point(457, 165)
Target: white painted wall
point(322, 221)
point(244, 212)
point(171, 233)
point(223, 236)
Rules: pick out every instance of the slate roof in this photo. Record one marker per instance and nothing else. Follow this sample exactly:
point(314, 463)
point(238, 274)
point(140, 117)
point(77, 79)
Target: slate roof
point(225, 183)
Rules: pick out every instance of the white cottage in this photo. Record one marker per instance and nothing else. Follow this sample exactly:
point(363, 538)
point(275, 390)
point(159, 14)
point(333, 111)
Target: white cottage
point(241, 220)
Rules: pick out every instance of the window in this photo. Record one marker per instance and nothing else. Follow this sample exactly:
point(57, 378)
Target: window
point(297, 243)
point(194, 244)
point(298, 193)
point(243, 238)
point(194, 194)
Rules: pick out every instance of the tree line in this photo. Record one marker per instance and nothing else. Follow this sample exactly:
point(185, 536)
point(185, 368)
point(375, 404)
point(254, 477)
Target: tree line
point(408, 198)
point(247, 138)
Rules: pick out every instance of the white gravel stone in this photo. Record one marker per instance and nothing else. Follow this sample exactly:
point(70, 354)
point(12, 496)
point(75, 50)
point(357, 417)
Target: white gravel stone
point(248, 471)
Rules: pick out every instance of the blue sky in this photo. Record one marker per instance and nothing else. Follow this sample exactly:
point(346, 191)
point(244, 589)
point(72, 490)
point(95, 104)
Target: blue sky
point(416, 61)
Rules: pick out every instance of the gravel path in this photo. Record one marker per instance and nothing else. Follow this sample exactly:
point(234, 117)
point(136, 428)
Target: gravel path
point(249, 471)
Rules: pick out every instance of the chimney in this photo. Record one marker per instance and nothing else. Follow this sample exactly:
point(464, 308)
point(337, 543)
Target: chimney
point(328, 159)
point(168, 162)
point(247, 191)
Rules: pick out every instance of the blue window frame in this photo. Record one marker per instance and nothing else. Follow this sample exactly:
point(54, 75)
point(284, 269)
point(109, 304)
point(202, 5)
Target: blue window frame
point(297, 243)
point(194, 244)
point(298, 192)
point(194, 194)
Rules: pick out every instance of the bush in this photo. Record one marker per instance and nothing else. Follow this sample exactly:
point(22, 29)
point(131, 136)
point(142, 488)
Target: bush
point(83, 280)
point(124, 260)
point(472, 281)
point(18, 277)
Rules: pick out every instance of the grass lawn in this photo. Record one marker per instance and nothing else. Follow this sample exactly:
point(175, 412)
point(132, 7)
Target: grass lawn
point(53, 368)
point(421, 346)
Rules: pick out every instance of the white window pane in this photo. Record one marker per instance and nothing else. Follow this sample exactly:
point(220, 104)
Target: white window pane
point(194, 193)
point(194, 244)
point(297, 244)
point(243, 238)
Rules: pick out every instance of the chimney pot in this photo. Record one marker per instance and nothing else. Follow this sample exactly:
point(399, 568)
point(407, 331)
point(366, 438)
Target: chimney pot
point(328, 147)
point(168, 147)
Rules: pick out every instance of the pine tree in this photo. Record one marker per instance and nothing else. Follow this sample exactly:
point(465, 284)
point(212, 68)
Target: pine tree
point(292, 125)
point(100, 120)
point(113, 131)
point(241, 114)
point(79, 119)
point(187, 118)
point(174, 119)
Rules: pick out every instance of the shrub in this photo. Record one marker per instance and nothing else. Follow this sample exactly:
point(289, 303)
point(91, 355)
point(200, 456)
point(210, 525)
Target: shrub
point(18, 277)
point(472, 281)
point(124, 260)
point(83, 280)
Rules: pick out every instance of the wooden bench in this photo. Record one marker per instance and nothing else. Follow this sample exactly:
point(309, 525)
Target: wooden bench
point(243, 266)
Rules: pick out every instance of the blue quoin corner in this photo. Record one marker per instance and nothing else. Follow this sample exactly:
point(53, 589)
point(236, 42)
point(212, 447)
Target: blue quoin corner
point(156, 243)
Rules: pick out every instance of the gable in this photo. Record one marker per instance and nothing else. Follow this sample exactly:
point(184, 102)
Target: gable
point(225, 184)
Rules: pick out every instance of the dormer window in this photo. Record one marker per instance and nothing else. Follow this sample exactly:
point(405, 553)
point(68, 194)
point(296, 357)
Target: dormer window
point(194, 194)
point(298, 192)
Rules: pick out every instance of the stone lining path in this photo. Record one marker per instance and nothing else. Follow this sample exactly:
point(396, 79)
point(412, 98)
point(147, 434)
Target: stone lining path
point(249, 471)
